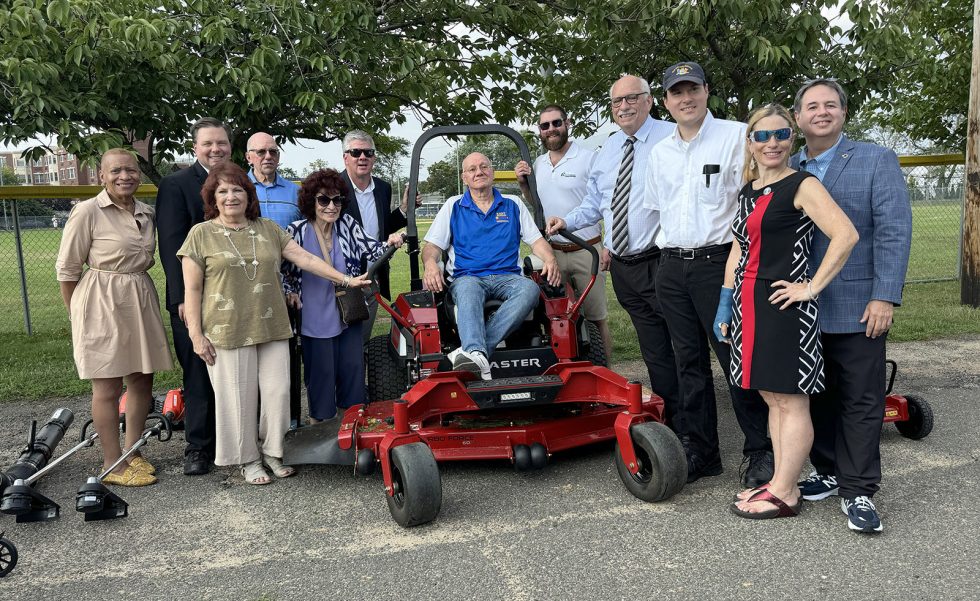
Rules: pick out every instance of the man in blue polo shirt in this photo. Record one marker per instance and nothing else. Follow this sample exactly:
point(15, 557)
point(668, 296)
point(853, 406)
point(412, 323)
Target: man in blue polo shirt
point(278, 202)
point(277, 195)
point(482, 230)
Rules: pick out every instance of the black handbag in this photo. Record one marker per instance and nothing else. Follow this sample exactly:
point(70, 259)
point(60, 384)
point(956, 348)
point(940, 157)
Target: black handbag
point(351, 305)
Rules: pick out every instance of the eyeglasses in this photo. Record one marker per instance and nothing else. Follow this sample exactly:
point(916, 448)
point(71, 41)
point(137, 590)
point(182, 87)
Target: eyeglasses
point(549, 124)
point(357, 152)
point(273, 152)
point(324, 201)
point(629, 98)
point(763, 135)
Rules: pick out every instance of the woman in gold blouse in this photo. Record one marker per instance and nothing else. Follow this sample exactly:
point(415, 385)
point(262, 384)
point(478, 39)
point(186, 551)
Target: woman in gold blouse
point(116, 330)
point(236, 316)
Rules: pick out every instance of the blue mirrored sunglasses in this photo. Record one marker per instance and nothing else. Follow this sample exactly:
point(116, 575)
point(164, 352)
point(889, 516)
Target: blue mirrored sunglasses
point(763, 135)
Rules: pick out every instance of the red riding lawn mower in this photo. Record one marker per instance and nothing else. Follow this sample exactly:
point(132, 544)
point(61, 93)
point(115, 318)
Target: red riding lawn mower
point(550, 391)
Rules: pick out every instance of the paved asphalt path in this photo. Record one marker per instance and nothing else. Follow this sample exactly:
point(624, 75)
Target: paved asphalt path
point(569, 531)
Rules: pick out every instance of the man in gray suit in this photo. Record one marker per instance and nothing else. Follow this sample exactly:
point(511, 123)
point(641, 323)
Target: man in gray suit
point(856, 308)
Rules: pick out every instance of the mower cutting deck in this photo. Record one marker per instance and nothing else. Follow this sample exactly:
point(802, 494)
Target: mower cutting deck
point(550, 392)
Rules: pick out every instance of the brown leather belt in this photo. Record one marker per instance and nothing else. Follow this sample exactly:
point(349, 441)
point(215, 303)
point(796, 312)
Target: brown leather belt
point(567, 248)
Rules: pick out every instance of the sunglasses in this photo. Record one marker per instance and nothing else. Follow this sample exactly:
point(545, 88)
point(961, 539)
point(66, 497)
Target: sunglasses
point(324, 201)
point(763, 135)
point(549, 124)
point(357, 152)
point(263, 151)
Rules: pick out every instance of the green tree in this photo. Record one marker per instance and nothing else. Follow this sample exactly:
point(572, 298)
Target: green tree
point(9, 177)
point(101, 73)
point(288, 173)
point(443, 175)
point(315, 165)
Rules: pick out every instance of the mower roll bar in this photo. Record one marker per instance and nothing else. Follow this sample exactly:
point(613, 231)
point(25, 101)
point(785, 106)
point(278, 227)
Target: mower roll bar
point(413, 182)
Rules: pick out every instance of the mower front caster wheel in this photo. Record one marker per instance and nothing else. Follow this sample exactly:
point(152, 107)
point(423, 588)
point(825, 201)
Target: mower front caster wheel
point(417, 495)
point(919, 424)
point(662, 462)
point(8, 556)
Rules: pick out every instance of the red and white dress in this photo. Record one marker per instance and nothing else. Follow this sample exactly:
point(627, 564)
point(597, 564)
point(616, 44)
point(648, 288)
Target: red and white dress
point(772, 349)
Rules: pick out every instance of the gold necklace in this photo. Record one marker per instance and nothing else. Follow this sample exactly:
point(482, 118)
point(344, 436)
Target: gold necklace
point(241, 260)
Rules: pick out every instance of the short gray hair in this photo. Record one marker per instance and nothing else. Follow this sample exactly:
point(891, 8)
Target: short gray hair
point(644, 84)
point(359, 135)
point(830, 82)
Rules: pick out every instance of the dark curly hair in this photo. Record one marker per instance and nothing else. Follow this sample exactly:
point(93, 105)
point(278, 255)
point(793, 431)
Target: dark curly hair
point(324, 179)
point(232, 174)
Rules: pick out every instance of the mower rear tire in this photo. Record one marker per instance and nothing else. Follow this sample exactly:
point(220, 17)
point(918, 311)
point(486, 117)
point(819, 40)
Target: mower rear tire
point(663, 463)
point(417, 496)
point(596, 353)
point(920, 421)
point(8, 556)
point(386, 379)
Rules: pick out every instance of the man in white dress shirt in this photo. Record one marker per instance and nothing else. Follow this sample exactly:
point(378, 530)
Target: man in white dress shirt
point(614, 194)
point(693, 177)
point(561, 175)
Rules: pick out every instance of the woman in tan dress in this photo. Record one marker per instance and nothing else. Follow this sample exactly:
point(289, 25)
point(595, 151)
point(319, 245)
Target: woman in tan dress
point(116, 330)
point(235, 311)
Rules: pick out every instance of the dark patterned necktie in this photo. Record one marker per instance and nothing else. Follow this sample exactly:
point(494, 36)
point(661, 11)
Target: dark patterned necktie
point(621, 200)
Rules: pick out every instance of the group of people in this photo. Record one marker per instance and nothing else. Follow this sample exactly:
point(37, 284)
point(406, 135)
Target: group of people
point(718, 239)
point(796, 311)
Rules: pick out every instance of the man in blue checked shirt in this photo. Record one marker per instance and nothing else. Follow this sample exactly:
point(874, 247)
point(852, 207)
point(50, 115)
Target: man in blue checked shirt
point(278, 202)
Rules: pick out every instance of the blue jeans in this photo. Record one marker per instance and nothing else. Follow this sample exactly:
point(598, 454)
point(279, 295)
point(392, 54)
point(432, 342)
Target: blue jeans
point(519, 294)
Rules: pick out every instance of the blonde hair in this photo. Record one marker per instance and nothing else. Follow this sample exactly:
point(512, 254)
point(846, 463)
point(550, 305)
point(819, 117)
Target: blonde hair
point(749, 172)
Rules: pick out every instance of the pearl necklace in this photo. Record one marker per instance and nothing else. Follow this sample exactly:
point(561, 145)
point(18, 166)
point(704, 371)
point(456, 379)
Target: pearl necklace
point(241, 259)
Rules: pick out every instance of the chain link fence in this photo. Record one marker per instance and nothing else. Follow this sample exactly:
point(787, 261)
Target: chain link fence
point(32, 229)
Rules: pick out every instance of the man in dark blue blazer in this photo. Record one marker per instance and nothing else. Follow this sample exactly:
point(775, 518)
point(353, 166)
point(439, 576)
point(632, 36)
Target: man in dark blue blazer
point(369, 202)
point(856, 308)
point(179, 207)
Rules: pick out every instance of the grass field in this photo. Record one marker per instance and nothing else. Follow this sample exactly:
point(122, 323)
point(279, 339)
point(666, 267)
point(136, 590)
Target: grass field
point(41, 366)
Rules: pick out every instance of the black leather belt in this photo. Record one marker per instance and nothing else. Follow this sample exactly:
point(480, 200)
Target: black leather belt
point(650, 253)
point(689, 254)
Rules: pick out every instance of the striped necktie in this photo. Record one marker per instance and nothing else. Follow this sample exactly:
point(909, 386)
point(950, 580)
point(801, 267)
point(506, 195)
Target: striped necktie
point(621, 200)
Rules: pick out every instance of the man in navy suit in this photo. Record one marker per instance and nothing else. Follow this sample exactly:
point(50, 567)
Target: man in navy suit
point(369, 202)
point(856, 308)
point(179, 207)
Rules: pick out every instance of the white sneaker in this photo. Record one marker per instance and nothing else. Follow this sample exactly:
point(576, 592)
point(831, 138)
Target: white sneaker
point(481, 360)
point(463, 361)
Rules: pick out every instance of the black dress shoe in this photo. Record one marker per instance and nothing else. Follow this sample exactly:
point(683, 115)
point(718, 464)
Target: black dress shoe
point(196, 463)
point(701, 468)
point(760, 468)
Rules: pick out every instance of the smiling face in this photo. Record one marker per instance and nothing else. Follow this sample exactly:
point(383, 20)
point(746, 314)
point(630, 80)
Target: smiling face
point(688, 103)
point(553, 138)
point(212, 147)
point(231, 201)
point(630, 117)
point(821, 114)
point(773, 153)
point(330, 212)
point(120, 175)
point(477, 172)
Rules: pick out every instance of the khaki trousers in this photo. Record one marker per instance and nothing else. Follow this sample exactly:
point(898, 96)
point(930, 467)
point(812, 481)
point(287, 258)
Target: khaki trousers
point(238, 375)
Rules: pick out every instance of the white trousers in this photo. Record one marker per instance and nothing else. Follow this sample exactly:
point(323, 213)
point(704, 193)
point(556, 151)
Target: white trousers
point(238, 376)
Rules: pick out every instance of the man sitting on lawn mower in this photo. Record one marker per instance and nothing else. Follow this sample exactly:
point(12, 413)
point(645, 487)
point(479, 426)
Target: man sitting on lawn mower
point(482, 230)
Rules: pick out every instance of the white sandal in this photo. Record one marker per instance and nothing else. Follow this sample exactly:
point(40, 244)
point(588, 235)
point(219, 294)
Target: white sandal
point(280, 470)
point(255, 474)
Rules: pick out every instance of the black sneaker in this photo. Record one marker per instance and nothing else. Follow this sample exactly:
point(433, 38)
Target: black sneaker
point(761, 466)
point(861, 514)
point(196, 463)
point(818, 487)
point(699, 468)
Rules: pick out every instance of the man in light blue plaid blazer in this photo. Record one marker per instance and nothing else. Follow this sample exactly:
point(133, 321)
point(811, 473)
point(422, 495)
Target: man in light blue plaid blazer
point(856, 308)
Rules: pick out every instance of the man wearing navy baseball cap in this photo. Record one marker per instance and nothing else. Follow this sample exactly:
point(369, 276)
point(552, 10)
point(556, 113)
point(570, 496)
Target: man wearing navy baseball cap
point(692, 180)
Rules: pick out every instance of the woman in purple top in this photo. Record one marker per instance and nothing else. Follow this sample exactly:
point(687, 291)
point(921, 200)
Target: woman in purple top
point(333, 354)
